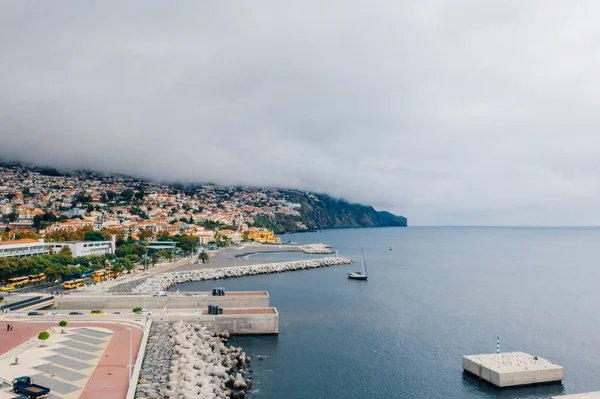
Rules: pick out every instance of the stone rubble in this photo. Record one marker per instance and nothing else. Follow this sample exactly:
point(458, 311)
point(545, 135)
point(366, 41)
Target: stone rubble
point(203, 367)
point(162, 282)
point(156, 367)
point(316, 249)
point(128, 286)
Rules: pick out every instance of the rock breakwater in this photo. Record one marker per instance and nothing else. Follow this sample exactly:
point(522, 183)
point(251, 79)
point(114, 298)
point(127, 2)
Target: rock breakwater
point(162, 282)
point(316, 249)
point(203, 367)
point(185, 360)
point(128, 286)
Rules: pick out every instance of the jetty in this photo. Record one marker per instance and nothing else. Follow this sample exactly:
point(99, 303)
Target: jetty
point(512, 369)
point(589, 395)
point(162, 282)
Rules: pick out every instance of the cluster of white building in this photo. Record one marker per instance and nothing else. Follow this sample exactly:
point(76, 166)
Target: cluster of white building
point(30, 247)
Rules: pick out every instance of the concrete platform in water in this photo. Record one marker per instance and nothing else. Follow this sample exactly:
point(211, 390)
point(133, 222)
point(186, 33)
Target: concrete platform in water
point(589, 395)
point(194, 300)
point(512, 369)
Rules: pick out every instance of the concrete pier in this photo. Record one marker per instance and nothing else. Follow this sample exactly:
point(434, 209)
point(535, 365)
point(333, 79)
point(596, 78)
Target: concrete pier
point(589, 395)
point(512, 369)
point(188, 300)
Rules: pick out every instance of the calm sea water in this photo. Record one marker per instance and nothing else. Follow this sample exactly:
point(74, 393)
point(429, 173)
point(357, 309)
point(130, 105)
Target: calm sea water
point(440, 293)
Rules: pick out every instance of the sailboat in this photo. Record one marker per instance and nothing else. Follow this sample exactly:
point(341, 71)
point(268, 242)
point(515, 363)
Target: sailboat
point(360, 275)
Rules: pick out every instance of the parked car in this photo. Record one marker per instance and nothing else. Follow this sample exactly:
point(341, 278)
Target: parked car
point(75, 314)
point(52, 314)
point(160, 293)
point(97, 312)
point(34, 314)
point(117, 313)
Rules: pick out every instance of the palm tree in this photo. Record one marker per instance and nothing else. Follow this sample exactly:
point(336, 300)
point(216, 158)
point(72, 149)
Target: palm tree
point(203, 257)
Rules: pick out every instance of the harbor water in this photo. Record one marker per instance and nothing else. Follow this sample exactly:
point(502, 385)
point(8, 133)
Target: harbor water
point(433, 295)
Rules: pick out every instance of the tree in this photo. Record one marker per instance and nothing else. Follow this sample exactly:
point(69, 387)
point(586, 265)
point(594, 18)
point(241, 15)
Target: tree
point(128, 265)
point(62, 324)
point(203, 257)
point(66, 251)
point(43, 336)
point(93, 236)
point(133, 258)
point(145, 234)
point(127, 195)
point(137, 309)
point(55, 271)
point(245, 235)
point(26, 234)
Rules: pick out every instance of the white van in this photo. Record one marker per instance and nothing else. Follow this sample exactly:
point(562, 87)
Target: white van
point(161, 293)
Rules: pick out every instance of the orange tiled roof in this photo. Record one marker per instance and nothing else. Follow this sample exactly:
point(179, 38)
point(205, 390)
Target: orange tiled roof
point(22, 241)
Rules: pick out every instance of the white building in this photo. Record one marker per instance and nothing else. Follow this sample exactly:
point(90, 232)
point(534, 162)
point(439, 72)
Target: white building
point(23, 248)
point(86, 248)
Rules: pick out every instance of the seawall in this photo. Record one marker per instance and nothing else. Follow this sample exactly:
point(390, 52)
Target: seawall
point(162, 282)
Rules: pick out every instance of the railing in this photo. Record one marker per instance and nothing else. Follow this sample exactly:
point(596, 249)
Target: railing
point(15, 305)
point(31, 303)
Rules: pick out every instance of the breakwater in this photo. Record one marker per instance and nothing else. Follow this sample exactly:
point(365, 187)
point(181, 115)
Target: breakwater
point(162, 282)
point(185, 360)
point(316, 249)
point(128, 286)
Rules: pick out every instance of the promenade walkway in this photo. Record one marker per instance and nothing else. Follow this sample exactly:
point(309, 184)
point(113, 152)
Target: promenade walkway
point(89, 361)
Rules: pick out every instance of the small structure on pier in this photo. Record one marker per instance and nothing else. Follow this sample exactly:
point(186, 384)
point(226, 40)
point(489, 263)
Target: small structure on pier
point(512, 369)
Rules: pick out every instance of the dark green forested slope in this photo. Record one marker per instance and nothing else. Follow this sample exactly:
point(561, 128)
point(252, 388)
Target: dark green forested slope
point(319, 211)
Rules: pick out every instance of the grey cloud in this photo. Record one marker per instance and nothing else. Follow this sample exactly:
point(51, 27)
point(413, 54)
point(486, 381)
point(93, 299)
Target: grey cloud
point(462, 112)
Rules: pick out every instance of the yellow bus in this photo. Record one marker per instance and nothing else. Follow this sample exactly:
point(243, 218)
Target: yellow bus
point(113, 274)
point(99, 275)
point(7, 288)
point(15, 282)
point(37, 278)
point(70, 285)
point(19, 281)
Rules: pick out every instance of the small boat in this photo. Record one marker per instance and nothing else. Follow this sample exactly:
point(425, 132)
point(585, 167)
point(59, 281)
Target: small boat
point(360, 275)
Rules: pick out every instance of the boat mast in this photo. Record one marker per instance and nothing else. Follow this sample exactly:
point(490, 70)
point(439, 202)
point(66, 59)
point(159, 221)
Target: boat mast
point(364, 264)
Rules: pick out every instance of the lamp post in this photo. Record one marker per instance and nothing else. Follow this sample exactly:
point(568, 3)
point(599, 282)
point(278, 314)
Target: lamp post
point(130, 352)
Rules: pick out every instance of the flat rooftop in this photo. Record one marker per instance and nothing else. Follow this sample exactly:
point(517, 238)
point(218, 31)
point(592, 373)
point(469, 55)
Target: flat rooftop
point(244, 311)
point(512, 362)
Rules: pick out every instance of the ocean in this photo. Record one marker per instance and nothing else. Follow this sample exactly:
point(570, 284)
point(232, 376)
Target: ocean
point(438, 294)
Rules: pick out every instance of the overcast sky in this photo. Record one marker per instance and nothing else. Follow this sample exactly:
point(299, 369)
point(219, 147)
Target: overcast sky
point(448, 112)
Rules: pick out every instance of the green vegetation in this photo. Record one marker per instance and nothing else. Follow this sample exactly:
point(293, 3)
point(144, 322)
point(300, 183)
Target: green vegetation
point(203, 257)
point(44, 335)
point(319, 211)
point(279, 224)
point(137, 310)
point(185, 242)
point(63, 323)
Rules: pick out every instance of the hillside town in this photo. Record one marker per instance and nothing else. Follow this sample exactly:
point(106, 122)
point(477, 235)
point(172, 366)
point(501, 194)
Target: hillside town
point(54, 222)
point(45, 203)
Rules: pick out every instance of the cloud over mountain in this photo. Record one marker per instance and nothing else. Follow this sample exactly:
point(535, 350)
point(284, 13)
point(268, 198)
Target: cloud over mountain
point(462, 112)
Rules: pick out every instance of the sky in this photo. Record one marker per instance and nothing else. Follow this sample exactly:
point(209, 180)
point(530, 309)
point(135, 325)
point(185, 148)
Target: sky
point(462, 112)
